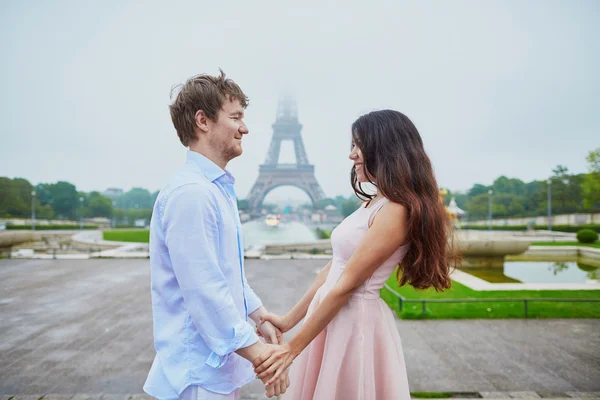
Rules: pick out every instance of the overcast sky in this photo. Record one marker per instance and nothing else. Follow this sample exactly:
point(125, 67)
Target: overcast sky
point(494, 87)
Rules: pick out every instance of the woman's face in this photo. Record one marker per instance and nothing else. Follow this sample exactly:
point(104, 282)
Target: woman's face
point(357, 158)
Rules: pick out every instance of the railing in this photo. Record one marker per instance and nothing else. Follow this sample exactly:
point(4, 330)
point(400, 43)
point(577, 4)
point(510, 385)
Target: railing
point(526, 302)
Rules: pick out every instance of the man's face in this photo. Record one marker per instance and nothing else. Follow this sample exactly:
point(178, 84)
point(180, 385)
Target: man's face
point(226, 133)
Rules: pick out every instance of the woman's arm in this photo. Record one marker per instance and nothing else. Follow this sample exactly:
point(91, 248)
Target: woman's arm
point(382, 239)
point(296, 314)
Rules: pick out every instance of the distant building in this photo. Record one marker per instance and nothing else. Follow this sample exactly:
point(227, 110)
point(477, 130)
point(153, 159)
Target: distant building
point(332, 214)
point(113, 193)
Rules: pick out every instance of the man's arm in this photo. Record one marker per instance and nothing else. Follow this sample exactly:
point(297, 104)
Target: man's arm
point(270, 332)
point(190, 222)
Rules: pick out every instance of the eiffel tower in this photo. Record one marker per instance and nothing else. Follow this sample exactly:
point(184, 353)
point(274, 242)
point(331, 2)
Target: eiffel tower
point(272, 174)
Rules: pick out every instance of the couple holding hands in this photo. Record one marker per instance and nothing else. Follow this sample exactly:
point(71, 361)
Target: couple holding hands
point(348, 346)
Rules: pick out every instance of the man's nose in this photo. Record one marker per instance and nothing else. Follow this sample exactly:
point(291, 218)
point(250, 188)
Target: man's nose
point(243, 129)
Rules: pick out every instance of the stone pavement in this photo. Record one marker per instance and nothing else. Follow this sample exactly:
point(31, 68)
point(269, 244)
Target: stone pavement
point(70, 328)
point(455, 396)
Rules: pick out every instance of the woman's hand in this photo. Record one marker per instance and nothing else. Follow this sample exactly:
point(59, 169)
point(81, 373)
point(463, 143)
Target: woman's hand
point(280, 322)
point(274, 361)
point(269, 332)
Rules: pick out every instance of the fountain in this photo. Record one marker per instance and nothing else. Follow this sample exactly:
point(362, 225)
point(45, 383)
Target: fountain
point(482, 248)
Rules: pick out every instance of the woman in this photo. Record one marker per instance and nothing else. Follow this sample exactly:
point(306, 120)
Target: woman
point(348, 347)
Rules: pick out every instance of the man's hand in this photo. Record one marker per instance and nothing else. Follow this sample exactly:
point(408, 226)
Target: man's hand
point(274, 386)
point(271, 364)
point(279, 386)
point(269, 332)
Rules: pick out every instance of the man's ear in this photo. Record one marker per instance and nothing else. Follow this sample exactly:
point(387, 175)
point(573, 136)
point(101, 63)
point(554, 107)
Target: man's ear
point(201, 121)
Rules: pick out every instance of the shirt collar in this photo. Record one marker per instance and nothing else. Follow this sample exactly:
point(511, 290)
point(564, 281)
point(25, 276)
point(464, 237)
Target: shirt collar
point(211, 170)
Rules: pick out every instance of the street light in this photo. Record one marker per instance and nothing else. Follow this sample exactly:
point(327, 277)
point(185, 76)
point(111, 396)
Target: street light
point(33, 210)
point(114, 218)
point(549, 182)
point(81, 213)
point(490, 209)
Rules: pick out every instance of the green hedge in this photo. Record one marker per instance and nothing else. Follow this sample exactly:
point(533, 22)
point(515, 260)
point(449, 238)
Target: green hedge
point(49, 227)
point(323, 234)
point(574, 228)
point(587, 236)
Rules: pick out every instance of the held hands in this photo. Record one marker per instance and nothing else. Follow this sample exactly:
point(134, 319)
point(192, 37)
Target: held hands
point(273, 363)
point(278, 321)
point(273, 335)
point(269, 332)
point(274, 386)
point(271, 327)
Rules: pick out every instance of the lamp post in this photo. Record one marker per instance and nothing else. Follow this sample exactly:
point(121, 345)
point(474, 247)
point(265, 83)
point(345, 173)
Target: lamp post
point(33, 210)
point(114, 218)
point(549, 182)
point(490, 209)
point(81, 213)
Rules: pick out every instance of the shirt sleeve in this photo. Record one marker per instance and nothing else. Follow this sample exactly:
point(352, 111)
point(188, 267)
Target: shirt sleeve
point(190, 221)
point(252, 300)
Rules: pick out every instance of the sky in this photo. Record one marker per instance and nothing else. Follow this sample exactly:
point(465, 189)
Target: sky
point(495, 87)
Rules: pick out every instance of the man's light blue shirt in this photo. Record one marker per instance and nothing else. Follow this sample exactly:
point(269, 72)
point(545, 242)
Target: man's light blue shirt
point(200, 297)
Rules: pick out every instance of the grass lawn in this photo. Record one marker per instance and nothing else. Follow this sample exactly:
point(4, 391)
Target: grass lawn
point(490, 309)
point(139, 236)
point(595, 244)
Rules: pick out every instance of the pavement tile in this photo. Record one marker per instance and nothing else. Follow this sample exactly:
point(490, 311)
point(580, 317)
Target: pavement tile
point(524, 395)
point(495, 395)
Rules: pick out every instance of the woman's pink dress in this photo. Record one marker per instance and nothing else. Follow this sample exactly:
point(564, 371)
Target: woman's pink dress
point(359, 354)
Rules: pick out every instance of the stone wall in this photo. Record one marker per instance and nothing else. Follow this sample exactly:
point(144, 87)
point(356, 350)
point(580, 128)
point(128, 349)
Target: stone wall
point(564, 219)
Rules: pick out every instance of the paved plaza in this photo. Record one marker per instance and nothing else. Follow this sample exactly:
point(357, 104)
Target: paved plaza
point(85, 327)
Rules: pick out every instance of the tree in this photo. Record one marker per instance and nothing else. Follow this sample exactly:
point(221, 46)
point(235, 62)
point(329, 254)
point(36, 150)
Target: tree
point(98, 205)
point(477, 189)
point(562, 199)
point(591, 184)
point(350, 205)
point(507, 205)
point(242, 204)
point(15, 197)
point(535, 197)
point(271, 208)
point(477, 206)
point(64, 199)
point(136, 197)
point(321, 204)
point(461, 199)
point(509, 186)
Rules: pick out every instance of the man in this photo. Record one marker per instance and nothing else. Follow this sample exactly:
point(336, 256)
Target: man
point(201, 300)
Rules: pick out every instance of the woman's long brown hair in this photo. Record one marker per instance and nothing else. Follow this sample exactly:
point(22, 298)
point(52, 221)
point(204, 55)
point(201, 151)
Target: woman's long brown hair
point(394, 157)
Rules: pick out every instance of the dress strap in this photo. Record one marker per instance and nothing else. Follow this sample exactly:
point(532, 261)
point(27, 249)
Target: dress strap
point(375, 209)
